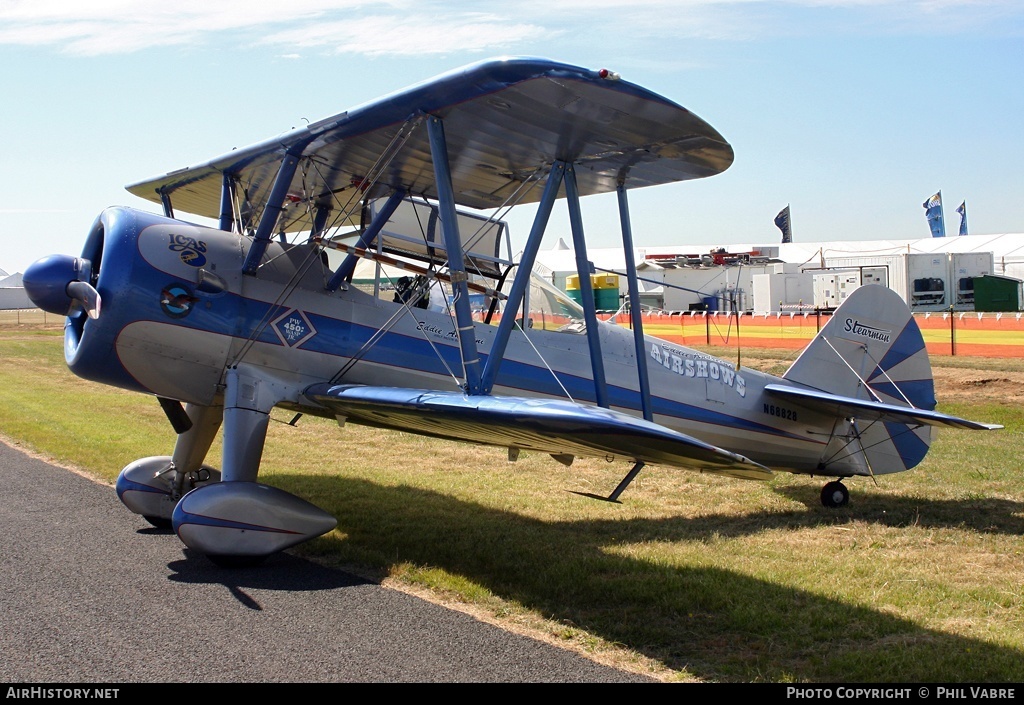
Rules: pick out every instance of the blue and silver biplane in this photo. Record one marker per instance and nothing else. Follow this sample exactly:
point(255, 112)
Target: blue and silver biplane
point(453, 337)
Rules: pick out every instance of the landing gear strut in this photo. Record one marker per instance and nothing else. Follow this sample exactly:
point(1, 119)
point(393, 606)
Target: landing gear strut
point(834, 494)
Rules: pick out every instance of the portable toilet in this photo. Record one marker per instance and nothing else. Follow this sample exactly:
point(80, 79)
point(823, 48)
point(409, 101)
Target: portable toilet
point(606, 291)
point(997, 293)
point(572, 288)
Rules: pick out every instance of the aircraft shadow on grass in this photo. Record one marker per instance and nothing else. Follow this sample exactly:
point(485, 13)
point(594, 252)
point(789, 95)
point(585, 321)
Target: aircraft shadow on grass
point(714, 623)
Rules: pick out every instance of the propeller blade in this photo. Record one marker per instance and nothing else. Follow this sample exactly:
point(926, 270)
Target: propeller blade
point(85, 294)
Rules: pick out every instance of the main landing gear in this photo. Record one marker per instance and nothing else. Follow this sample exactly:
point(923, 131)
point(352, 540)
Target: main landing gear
point(834, 494)
point(225, 515)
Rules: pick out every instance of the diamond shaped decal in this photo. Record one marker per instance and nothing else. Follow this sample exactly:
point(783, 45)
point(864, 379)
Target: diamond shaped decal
point(293, 328)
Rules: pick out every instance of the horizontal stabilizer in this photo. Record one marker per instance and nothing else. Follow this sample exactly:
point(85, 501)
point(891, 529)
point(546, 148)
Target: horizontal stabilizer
point(871, 410)
point(550, 426)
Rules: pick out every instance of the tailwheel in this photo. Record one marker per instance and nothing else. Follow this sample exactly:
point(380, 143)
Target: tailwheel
point(834, 494)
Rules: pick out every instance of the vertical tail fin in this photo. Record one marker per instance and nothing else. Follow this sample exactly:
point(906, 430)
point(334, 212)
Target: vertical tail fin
point(872, 349)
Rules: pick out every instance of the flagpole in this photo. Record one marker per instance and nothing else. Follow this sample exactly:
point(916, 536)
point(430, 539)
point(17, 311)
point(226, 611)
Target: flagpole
point(942, 218)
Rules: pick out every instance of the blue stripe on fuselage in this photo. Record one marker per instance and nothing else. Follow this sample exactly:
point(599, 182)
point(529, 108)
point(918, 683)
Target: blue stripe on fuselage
point(238, 316)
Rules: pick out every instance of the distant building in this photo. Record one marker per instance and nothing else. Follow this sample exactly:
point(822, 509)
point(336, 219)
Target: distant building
point(12, 293)
point(931, 274)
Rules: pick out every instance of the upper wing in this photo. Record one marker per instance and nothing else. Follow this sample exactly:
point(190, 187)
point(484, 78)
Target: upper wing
point(505, 121)
point(549, 426)
point(871, 410)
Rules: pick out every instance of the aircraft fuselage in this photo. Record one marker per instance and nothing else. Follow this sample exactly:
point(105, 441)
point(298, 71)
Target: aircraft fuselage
point(178, 311)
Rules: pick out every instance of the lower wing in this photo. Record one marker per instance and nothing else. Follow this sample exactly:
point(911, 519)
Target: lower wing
point(555, 427)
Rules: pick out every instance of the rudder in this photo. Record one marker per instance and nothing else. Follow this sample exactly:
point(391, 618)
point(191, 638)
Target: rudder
point(871, 349)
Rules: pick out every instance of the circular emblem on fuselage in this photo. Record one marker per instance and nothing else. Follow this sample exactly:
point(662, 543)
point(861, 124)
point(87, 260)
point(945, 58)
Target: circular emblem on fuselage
point(177, 300)
point(193, 258)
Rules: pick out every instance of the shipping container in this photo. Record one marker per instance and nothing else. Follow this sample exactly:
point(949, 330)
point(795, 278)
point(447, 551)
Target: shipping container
point(966, 266)
point(930, 281)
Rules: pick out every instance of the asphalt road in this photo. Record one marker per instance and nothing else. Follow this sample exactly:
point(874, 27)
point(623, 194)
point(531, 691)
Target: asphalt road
point(92, 595)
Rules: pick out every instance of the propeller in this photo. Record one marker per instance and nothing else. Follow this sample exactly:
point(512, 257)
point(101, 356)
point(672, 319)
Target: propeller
point(57, 283)
point(87, 296)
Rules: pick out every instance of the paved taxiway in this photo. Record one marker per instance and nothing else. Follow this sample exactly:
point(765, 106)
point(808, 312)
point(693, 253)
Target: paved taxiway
point(92, 596)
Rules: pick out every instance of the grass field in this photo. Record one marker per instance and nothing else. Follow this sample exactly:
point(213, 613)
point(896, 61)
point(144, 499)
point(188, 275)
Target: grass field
point(689, 578)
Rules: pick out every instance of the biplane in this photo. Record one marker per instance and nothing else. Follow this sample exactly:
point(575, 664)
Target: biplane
point(359, 268)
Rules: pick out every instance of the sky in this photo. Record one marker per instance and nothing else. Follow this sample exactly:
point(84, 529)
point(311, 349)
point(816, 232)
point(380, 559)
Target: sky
point(851, 112)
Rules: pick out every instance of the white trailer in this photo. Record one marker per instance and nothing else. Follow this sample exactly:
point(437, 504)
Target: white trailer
point(832, 288)
point(782, 291)
point(889, 270)
point(930, 281)
point(965, 267)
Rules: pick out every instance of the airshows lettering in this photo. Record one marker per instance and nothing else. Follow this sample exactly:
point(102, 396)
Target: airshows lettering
point(869, 332)
point(687, 365)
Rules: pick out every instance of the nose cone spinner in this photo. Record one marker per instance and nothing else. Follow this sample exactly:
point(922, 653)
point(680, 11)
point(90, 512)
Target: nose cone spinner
point(56, 283)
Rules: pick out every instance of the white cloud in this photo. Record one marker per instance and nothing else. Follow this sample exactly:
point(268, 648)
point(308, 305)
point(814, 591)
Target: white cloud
point(431, 26)
point(125, 26)
point(411, 35)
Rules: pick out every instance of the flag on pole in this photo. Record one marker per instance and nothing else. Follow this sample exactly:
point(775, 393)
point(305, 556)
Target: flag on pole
point(962, 210)
point(782, 222)
point(933, 211)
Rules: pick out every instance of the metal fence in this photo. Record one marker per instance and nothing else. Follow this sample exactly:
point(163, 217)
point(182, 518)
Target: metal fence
point(29, 317)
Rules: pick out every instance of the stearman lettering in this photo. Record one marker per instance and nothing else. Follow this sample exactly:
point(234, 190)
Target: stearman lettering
point(857, 328)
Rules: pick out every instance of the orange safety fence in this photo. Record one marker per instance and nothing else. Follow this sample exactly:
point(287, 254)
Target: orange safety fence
point(785, 330)
point(968, 333)
point(972, 333)
point(945, 333)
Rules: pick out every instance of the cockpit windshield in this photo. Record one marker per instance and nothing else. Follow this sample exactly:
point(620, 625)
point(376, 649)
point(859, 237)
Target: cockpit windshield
point(547, 306)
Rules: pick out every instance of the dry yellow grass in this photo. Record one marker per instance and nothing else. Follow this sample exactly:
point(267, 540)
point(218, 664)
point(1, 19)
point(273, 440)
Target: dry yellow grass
point(690, 577)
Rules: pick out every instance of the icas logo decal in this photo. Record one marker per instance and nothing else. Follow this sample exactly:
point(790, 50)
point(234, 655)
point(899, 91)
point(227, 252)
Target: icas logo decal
point(191, 251)
point(177, 300)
